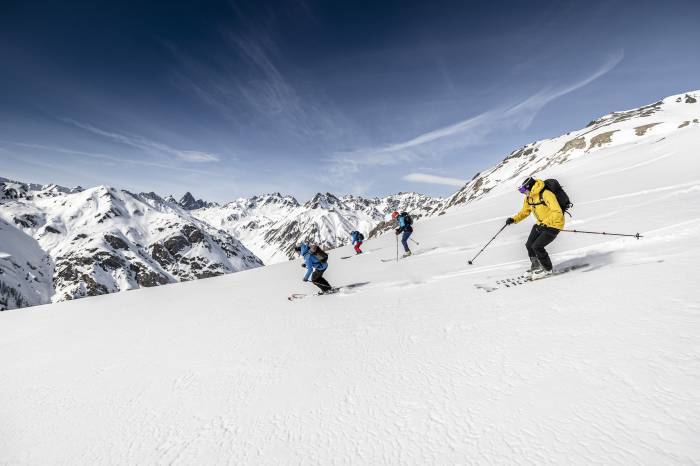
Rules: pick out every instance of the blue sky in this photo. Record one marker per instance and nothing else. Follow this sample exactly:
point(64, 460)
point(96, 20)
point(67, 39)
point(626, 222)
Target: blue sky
point(233, 98)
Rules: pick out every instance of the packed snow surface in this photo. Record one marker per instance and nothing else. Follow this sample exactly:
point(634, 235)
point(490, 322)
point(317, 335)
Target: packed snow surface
point(418, 365)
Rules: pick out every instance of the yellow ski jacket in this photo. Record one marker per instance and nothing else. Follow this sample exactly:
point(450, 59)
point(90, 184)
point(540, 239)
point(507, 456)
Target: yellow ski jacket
point(547, 210)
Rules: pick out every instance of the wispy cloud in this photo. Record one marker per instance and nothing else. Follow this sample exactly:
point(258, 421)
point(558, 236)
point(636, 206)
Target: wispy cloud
point(250, 83)
point(270, 93)
point(147, 145)
point(526, 111)
point(106, 157)
point(465, 133)
point(434, 179)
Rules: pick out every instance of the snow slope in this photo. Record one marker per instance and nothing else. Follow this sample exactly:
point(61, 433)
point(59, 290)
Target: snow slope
point(416, 366)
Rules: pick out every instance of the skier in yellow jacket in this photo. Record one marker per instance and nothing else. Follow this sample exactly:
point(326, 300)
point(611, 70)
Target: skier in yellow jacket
point(544, 206)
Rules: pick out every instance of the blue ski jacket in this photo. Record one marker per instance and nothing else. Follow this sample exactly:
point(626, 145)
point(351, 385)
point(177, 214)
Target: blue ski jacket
point(312, 263)
point(355, 236)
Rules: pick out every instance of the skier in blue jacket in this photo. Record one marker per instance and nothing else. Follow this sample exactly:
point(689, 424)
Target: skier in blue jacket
point(405, 223)
point(315, 262)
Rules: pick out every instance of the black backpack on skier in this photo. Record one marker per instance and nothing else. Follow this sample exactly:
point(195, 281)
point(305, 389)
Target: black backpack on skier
point(406, 218)
point(360, 236)
point(555, 188)
point(319, 253)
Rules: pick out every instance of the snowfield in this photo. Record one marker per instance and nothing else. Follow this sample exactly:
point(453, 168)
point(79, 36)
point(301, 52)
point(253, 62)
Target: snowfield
point(418, 364)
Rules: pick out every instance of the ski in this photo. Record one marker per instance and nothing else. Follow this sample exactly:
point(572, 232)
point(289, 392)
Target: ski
point(295, 296)
point(345, 288)
point(418, 253)
point(355, 255)
point(518, 280)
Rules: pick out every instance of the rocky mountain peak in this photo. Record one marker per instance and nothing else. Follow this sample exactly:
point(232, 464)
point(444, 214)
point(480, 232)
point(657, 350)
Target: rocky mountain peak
point(188, 202)
point(323, 201)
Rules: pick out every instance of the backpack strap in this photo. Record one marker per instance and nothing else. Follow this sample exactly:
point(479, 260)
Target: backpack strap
point(536, 203)
point(563, 208)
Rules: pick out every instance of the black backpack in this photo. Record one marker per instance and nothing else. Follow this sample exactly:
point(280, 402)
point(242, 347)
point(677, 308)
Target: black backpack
point(406, 218)
point(360, 236)
point(555, 188)
point(319, 253)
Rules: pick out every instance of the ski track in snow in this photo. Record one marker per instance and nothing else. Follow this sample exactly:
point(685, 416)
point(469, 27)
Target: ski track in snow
point(632, 167)
point(597, 366)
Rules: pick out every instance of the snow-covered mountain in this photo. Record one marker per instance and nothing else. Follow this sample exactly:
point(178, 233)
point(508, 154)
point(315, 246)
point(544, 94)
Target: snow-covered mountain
point(272, 224)
point(427, 360)
point(86, 242)
point(641, 126)
point(60, 244)
point(26, 270)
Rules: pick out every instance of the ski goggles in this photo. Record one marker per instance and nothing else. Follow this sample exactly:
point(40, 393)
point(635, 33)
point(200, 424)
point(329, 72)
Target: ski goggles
point(523, 189)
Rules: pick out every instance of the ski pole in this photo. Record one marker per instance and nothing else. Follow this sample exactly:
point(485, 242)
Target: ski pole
point(482, 249)
point(397, 248)
point(414, 241)
point(636, 235)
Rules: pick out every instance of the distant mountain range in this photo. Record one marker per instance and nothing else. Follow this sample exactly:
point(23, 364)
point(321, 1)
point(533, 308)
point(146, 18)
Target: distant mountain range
point(272, 224)
point(60, 243)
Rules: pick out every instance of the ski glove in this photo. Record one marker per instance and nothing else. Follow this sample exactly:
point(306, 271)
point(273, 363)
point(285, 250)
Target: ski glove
point(510, 221)
point(303, 265)
point(397, 232)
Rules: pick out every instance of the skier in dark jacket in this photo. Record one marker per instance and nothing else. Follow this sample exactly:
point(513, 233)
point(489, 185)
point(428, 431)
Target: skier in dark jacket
point(544, 206)
point(405, 226)
point(357, 239)
point(315, 266)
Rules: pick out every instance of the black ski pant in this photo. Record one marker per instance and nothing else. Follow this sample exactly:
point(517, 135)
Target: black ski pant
point(318, 280)
point(404, 239)
point(541, 236)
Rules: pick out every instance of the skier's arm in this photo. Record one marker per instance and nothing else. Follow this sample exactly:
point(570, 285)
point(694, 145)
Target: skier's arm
point(309, 268)
point(555, 212)
point(524, 212)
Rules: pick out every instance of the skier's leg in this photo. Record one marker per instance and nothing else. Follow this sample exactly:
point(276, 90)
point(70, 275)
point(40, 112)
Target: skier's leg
point(318, 280)
point(534, 233)
point(357, 247)
point(546, 236)
point(404, 240)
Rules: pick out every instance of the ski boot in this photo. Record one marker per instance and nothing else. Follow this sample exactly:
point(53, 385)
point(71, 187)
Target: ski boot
point(534, 265)
point(407, 253)
point(540, 273)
